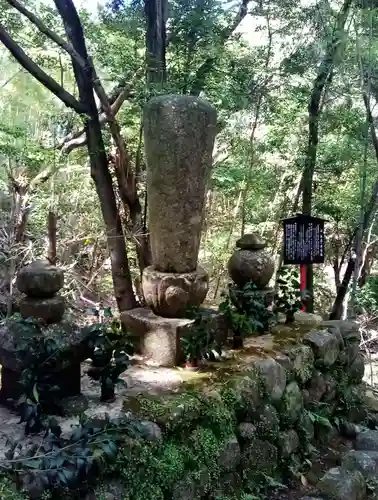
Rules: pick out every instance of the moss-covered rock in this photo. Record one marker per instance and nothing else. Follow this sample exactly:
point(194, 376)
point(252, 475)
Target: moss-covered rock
point(303, 359)
point(267, 422)
point(288, 443)
point(175, 413)
point(260, 457)
point(242, 395)
point(273, 378)
point(291, 404)
point(356, 369)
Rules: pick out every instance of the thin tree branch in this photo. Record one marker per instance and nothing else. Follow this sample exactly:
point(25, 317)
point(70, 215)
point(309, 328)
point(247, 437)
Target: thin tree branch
point(47, 31)
point(38, 73)
point(209, 63)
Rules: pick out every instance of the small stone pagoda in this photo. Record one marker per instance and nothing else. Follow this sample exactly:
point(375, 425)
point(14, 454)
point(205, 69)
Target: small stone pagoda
point(250, 262)
point(179, 134)
point(40, 282)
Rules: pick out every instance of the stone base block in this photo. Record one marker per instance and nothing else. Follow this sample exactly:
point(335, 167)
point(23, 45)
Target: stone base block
point(50, 310)
point(156, 337)
point(68, 381)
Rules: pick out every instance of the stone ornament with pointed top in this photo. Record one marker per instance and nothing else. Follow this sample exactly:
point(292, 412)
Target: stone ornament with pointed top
point(179, 134)
point(250, 262)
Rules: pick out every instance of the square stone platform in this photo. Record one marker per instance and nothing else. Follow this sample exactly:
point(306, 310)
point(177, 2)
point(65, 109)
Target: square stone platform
point(156, 338)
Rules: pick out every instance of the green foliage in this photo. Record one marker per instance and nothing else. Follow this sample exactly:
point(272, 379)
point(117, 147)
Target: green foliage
point(40, 354)
point(245, 310)
point(8, 490)
point(288, 298)
point(110, 355)
point(199, 343)
point(367, 296)
point(74, 463)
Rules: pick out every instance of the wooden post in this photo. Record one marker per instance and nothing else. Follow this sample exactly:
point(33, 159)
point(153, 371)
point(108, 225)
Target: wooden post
point(51, 231)
point(303, 282)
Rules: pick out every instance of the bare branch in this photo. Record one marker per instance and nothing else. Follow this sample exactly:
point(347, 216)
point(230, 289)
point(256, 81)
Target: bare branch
point(78, 139)
point(47, 31)
point(38, 73)
point(208, 64)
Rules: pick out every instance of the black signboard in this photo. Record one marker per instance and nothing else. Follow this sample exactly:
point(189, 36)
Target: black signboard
point(303, 240)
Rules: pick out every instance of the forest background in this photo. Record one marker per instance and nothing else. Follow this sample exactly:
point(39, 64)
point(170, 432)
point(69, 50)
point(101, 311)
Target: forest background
point(295, 85)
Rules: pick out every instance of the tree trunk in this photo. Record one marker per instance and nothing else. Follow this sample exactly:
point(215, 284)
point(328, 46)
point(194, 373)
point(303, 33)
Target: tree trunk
point(100, 173)
point(156, 16)
point(320, 82)
point(51, 233)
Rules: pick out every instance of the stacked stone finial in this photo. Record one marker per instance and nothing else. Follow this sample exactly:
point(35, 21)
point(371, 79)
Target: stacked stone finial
point(40, 281)
point(179, 133)
point(251, 263)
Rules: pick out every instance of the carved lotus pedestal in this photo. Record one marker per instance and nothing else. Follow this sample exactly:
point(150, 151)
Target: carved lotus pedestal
point(170, 294)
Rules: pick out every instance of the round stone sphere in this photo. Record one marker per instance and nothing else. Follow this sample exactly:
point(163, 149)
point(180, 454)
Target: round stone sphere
point(40, 279)
point(255, 266)
point(169, 294)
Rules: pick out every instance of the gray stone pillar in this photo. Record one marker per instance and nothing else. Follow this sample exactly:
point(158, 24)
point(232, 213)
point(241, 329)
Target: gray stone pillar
point(179, 133)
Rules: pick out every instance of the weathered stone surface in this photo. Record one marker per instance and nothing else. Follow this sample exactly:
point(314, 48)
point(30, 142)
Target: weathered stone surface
point(169, 294)
point(305, 318)
point(349, 353)
point(247, 393)
point(356, 369)
point(246, 431)
point(250, 241)
point(331, 388)
point(267, 423)
point(256, 266)
point(229, 484)
point(286, 363)
point(303, 362)
point(339, 484)
point(230, 456)
point(371, 401)
point(349, 429)
point(305, 427)
point(288, 443)
point(325, 346)
point(316, 387)
point(50, 310)
point(273, 377)
point(259, 457)
point(291, 404)
point(40, 279)
point(367, 440)
point(365, 462)
point(179, 133)
point(311, 498)
point(151, 431)
point(156, 337)
point(184, 490)
point(349, 329)
point(353, 397)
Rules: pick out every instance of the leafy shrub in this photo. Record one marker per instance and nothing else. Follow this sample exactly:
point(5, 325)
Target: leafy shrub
point(367, 296)
point(289, 297)
point(200, 342)
point(245, 310)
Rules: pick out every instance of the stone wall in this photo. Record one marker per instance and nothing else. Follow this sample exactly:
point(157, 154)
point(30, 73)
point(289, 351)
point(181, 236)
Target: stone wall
point(249, 425)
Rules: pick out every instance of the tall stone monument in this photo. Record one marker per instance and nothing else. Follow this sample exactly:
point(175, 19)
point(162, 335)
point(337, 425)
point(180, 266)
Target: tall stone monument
point(179, 133)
